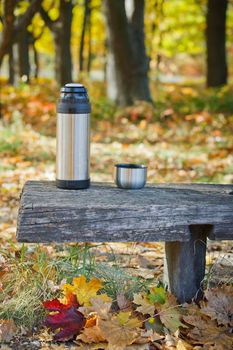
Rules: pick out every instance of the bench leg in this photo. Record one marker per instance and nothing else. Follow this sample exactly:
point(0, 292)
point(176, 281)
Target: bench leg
point(185, 265)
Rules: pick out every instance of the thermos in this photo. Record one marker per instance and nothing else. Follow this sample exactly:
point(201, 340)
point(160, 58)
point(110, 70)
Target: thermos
point(73, 138)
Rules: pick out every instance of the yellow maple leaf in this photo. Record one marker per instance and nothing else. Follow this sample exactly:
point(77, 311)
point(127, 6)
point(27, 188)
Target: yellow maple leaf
point(83, 290)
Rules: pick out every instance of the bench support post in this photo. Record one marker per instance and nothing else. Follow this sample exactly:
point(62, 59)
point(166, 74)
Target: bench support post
point(185, 264)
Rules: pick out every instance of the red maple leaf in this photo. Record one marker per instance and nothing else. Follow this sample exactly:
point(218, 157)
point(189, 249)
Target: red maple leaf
point(67, 319)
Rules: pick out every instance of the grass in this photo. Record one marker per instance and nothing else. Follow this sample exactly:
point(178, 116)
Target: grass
point(10, 141)
point(33, 270)
point(117, 281)
point(25, 286)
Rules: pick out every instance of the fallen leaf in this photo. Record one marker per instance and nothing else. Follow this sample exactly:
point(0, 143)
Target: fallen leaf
point(65, 318)
point(5, 347)
point(219, 305)
point(170, 341)
point(183, 345)
point(7, 330)
point(145, 306)
point(99, 346)
point(169, 313)
point(91, 335)
point(121, 330)
point(206, 331)
point(150, 335)
point(91, 321)
point(101, 305)
point(122, 302)
point(83, 290)
point(157, 295)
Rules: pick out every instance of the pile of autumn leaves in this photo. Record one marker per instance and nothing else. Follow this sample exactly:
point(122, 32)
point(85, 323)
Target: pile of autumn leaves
point(150, 320)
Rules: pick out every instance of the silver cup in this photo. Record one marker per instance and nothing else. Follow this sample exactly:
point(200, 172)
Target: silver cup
point(130, 176)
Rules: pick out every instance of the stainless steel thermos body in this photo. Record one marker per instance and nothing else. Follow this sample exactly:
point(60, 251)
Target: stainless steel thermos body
point(73, 138)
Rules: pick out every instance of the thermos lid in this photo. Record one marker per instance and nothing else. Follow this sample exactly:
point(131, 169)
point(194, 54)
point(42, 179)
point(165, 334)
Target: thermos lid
point(73, 100)
point(73, 87)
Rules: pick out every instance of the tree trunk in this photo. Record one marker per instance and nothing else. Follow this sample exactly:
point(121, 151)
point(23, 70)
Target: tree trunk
point(66, 9)
point(36, 61)
point(58, 57)
point(8, 28)
point(84, 26)
point(11, 63)
point(119, 44)
point(61, 29)
point(140, 83)
point(216, 43)
point(89, 59)
point(126, 42)
point(23, 49)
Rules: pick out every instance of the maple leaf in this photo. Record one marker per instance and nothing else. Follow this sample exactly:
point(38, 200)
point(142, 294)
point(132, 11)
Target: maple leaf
point(158, 301)
point(206, 331)
point(67, 319)
point(169, 313)
point(157, 295)
point(57, 305)
point(83, 290)
point(121, 330)
point(146, 306)
point(219, 305)
point(91, 335)
point(100, 304)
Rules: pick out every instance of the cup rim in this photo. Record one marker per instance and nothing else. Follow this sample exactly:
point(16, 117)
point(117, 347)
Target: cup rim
point(130, 166)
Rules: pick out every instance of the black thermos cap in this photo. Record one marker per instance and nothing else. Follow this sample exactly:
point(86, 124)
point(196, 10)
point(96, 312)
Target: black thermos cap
point(73, 100)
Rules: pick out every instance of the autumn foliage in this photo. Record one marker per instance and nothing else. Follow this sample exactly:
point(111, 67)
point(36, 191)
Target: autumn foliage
point(151, 319)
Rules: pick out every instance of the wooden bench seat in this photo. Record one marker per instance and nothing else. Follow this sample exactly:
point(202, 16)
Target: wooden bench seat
point(182, 215)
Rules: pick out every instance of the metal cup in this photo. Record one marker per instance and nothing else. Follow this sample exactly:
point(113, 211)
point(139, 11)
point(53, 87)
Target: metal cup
point(130, 176)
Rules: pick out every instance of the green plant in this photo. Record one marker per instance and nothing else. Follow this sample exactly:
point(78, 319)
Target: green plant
point(117, 281)
point(26, 285)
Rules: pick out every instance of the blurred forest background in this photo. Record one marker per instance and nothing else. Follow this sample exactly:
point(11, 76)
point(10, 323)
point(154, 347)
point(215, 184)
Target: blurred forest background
point(159, 75)
point(172, 41)
point(160, 79)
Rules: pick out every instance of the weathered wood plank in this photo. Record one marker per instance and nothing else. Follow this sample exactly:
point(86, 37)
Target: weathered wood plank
point(106, 213)
point(185, 265)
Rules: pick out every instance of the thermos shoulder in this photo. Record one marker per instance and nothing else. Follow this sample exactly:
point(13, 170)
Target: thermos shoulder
point(73, 107)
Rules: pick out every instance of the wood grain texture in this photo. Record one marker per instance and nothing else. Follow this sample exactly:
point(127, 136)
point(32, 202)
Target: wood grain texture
point(184, 265)
point(105, 213)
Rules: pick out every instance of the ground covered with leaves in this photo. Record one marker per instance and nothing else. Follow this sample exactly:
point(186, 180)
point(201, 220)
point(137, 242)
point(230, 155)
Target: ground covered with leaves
point(111, 296)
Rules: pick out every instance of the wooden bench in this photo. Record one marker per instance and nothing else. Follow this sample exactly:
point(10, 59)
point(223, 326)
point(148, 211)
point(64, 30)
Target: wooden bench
point(182, 215)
